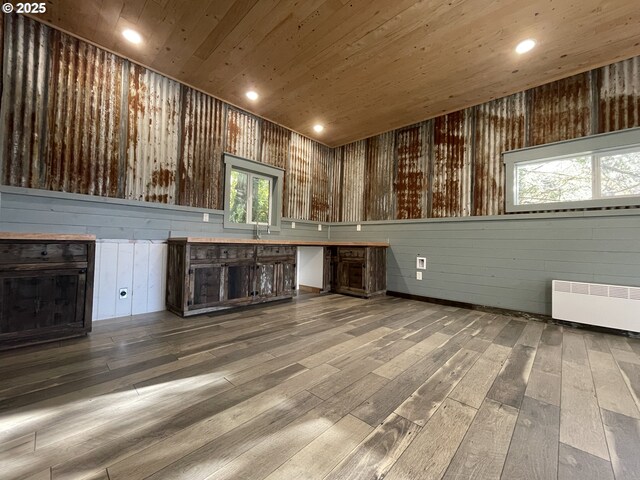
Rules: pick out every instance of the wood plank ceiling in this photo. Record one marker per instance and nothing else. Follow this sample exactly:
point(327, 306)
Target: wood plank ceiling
point(359, 67)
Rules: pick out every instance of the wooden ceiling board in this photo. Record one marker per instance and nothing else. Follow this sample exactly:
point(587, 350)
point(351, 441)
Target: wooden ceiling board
point(360, 67)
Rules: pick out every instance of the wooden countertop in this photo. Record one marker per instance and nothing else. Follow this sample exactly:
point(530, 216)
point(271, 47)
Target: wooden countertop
point(299, 243)
point(47, 236)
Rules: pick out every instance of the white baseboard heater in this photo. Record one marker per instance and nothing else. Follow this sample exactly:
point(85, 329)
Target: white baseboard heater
point(613, 306)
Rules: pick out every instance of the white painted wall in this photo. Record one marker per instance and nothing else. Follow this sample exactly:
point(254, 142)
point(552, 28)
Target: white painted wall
point(310, 265)
point(138, 265)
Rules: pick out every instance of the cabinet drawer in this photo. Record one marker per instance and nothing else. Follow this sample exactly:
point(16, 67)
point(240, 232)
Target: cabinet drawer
point(16, 253)
point(351, 253)
point(275, 251)
point(205, 253)
point(237, 252)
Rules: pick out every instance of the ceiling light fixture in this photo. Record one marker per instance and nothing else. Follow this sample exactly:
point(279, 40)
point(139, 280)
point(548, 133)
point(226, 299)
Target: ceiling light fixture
point(525, 46)
point(251, 95)
point(318, 128)
point(132, 35)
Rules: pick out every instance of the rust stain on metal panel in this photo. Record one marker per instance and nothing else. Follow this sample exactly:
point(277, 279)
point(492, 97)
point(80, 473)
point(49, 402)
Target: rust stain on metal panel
point(353, 178)
point(83, 154)
point(24, 102)
point(451, 178)
point(378, 195)
point(275, 147)
point(560, 110)
point(412, 152)
point(619, 92)
point(499, 128)
point(242, 134)
point(336, 185)
point(299, 177)
point(152, 137)
point(321, 173)
point(200, 169)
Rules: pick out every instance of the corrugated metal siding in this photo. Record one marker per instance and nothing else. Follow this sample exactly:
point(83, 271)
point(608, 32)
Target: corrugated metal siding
point(24, 100)
point(499, 128)
point(412, 171)
point(153, 136)
point(321, 173)
point(353, 178)
point(84, 118)
point(336, 186)
point(200, 169)
point(243, 135)
point(452, 153)
point(275, 148)
point(299, 178)
point(560, 110)
point(379, 162)
point(619, 92)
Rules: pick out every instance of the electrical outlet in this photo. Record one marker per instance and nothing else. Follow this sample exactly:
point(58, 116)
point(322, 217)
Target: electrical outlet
point(319, 227)
point(358, 228)
point(124, 293)
point(418, 275)
point(421, 263)
point(205, 217)
point(293, 224)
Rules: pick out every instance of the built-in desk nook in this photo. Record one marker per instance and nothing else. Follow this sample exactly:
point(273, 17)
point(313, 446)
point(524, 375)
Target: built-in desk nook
point(208, 274)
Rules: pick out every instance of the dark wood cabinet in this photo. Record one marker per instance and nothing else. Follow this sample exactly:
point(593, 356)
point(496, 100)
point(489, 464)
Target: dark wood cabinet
point(46, 287)
point(360, 271)
point(205, 277)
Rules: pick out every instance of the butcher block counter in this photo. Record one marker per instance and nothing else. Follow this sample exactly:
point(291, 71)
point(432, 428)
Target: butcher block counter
point(206, 274)
point(46, 287)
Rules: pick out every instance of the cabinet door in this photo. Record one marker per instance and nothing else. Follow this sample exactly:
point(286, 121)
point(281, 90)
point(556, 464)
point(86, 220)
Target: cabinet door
point(239, 282)
point(41, 300)
point(266, 279)
point(205, 283)
point(286, 279)
point(327, 270)
point(351, 276)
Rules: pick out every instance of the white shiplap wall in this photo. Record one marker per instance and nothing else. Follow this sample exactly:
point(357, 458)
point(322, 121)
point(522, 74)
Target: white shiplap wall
point(140, 266)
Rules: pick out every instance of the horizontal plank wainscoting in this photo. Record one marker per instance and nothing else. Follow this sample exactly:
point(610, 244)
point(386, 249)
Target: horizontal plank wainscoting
point(209, 274)
point(46, 287)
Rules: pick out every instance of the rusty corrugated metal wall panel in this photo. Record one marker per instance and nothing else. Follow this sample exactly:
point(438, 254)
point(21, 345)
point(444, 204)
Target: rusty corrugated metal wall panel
point(379, 162)
point(275, 148)
point(153, 136)
point(243, 134)
point(451, 174)
point(336, 185)
point(560, 110)
point(24, 102)
point(321, 173)
point(353, 178)
point(299, 178)
point(413, 145)
point(500, 127)
point(619, 92)
point(84, 119)
point(201, 173)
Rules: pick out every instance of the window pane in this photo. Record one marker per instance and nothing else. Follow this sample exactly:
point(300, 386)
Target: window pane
point(261, 190)
point(620, 174)
point(238, 197)
point(560, 180)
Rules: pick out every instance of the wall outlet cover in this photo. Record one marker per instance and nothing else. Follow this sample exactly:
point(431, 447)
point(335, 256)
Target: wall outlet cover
point(124, 293)
point(205, 217)
point(319, 227)
point(293, 224)
point(421, 263)
point(418, 275)
point(358, 228)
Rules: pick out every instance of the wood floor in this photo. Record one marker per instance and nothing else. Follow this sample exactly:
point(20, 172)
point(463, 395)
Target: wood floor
point(324, 387)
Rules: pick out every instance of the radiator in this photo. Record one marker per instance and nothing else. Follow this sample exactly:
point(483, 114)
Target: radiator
point(612, 306)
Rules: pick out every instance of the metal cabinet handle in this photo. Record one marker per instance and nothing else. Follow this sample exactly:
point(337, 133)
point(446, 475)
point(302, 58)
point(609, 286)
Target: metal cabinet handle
point(44, 253)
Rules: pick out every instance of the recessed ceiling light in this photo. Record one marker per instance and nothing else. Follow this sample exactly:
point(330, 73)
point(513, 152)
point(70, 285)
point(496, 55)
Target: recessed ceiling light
point(318, 128)
point(251, 95)
point(525, 45)
point(132, 35)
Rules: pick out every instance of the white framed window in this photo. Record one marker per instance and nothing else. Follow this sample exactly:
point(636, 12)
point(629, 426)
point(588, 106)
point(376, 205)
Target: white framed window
point(253, 194)
point(597, 171)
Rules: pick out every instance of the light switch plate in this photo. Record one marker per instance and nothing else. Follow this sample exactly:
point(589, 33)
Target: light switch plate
point(418, 275)
point(319, 227)
point(205, 217)
point(293, 224)
point(358, 228)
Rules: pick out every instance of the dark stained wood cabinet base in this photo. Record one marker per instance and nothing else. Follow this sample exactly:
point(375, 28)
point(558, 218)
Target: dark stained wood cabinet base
point(358, 271)
point(46, 288)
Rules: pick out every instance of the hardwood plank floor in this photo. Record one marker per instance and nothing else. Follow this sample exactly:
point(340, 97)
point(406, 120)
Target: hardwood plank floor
point(322, 387)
